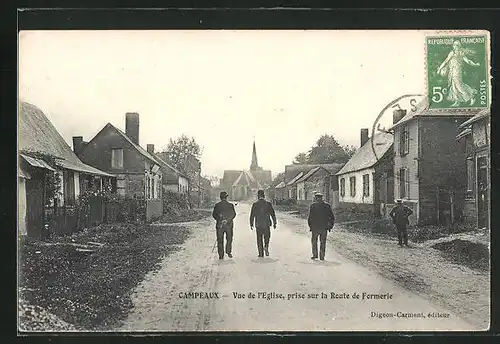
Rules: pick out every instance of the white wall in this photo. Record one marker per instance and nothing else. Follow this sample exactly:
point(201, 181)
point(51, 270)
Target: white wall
point(301, 191)
point(184, 184)
point(358, 198)
point(21, 206)
point(77, 185)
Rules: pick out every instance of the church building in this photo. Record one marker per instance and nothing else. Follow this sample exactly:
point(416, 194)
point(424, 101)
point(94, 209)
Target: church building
point(244, 184)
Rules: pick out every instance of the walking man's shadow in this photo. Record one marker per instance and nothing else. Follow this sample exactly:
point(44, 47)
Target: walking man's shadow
point(320, 262)
point(264, 260)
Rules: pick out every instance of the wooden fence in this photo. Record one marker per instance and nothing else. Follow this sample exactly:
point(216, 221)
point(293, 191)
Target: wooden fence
point(66, 220)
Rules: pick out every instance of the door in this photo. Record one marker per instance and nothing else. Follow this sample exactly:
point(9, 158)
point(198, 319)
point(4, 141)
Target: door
point(482, 192)
point(35, 216)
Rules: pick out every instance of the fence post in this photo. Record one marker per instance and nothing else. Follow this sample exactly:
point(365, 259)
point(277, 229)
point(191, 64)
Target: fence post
point(437, 204)
point(452, 207)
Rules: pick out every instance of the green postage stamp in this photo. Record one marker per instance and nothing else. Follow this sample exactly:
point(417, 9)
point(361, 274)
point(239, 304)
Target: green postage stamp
point(458, 71)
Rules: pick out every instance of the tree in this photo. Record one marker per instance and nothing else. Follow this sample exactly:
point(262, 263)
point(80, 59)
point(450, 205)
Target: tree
point(214, 180)
point(349, 150)
point(181, 152)
point(278, 179)
point(327, 150)
point(301, 158)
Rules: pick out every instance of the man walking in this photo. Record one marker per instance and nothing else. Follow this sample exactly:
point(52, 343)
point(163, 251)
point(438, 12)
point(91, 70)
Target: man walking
point(224, 215)
point(320, 221)
point(399, 215)
point(261, 215)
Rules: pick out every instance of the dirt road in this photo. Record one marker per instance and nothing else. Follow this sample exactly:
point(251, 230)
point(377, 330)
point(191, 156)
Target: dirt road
point(286, 291)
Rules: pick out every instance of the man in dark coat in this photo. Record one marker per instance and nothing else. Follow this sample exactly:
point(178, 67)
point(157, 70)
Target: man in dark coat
point(261, 215)
point(399, 215)
point(320, 221)
point(224, 215)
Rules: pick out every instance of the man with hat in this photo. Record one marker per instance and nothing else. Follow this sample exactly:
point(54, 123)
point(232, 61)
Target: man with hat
point(261, 215)
point(399, 215)
point(224, 215)
point(320, 221)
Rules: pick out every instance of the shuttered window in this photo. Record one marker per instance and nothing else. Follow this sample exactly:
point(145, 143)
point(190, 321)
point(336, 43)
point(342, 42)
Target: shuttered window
point(366, 185)
point(352, 185)
point(342, 187)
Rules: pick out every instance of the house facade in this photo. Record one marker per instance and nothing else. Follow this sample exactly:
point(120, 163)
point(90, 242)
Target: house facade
point(294, 172)
point(138, 173)
point(172, 179)
point(365, 182)
point(315, 180)
point(429, 174)
point(476, 134)
point(45, 156)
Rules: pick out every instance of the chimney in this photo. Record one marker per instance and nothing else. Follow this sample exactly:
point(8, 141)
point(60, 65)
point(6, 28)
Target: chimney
point(77, 144)
point(364, 136)
point(397, 115)
point(132, 126)
point(150, 148)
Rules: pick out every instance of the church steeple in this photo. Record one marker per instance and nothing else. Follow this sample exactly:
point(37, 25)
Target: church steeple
point(254, 165)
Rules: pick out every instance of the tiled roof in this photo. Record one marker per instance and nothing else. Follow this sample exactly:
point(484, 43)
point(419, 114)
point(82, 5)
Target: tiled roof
point(280, 185)
point(423, 110)
point(170, 167)
point(309, 174)
point(364, 156)
point(295, 179)
point(136, 146)
point(292, 170)
point(38, 134)
point(481, 114)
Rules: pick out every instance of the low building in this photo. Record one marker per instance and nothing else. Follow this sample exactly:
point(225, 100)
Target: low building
point(173, 179)
point(366, 182)
point(429, 173)
point(138, 172)
point(293, 170)
point(476, 133)
point(315, 180)
point(44, 155)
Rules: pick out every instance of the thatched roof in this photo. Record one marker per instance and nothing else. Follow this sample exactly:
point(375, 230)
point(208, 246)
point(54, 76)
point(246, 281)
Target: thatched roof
point(38, 134)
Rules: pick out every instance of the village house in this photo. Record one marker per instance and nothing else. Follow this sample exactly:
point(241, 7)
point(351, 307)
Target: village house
point(244, 184)
point(294, 172)
point(173, 179)
point(43, 154)
point(429, 173)
point(138, 172)
point(366, 181)
point(476, 133)
point(316, 180)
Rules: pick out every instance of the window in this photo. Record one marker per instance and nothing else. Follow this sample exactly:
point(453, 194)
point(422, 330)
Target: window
point(342, 187)
point(404, 183)
point(300, 193)
point(404, 141)
point(470, 174)
point(366, 185)
point(69, 187)
point(117, 158)
point(352, 185)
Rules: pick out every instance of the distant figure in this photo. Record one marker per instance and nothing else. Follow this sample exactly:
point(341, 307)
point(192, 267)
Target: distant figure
point(261, 215)
point(399, 215)
point(320, 221)
point(224, 215)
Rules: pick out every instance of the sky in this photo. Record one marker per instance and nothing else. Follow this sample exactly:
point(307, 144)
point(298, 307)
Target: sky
point(224, 88)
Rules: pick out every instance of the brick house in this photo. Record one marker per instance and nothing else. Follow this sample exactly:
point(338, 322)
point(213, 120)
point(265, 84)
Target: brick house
point(476, 133)
point(38, 138)
point(429, 172)
point(366, 181)
point(138, 172)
